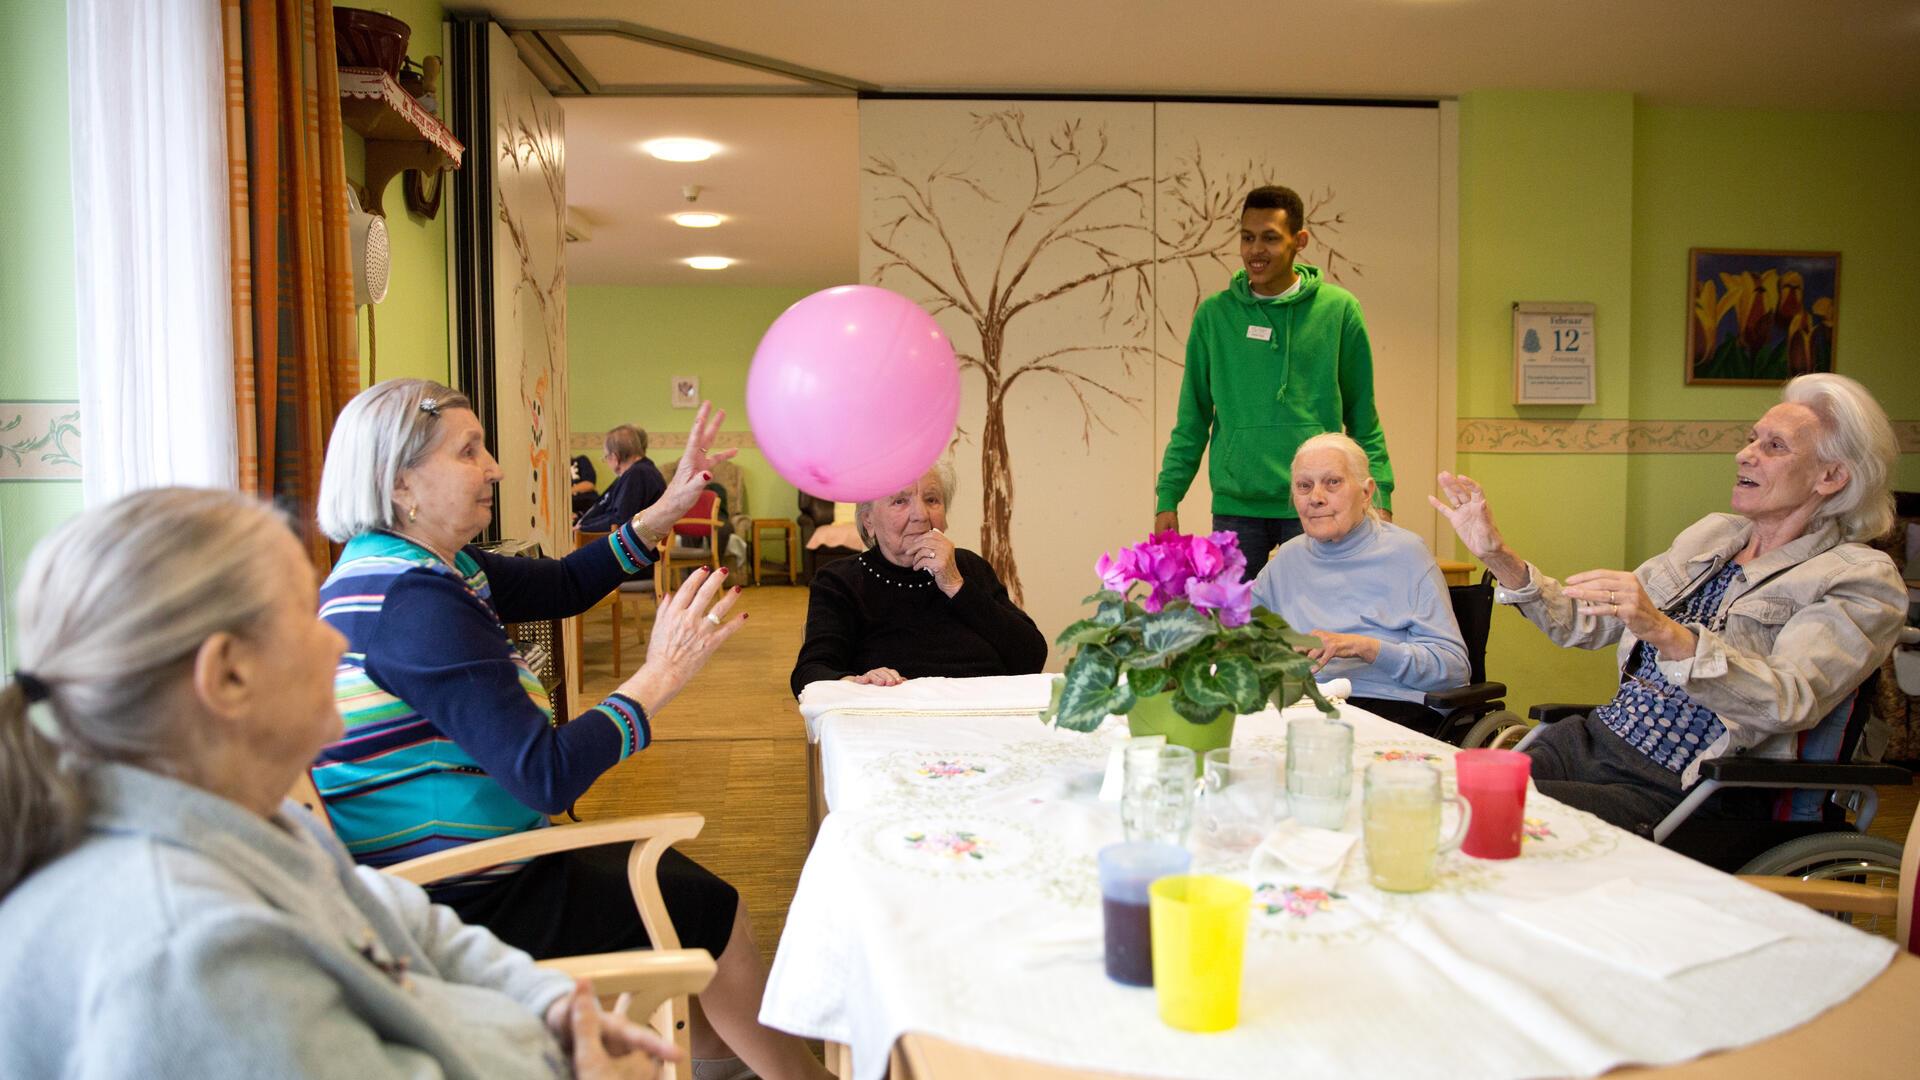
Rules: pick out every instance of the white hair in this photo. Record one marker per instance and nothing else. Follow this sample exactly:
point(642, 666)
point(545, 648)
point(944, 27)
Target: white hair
point(1855, 432)
point(112, 608)
point(943, 474)
point(385, 429)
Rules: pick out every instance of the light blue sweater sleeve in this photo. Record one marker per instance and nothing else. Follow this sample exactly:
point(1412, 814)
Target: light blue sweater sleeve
point(1381, 582)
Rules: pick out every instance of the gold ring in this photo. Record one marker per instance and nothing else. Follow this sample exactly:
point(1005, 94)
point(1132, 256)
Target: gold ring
point(1611, 600)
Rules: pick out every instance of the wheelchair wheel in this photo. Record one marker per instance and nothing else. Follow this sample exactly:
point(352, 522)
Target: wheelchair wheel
point(1837, 856)
point(1496, 731)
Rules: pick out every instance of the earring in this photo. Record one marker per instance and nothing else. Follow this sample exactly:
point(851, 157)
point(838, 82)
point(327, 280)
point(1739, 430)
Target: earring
point(412, 512)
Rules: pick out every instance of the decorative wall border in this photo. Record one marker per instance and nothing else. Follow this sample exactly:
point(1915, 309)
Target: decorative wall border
point(39, 440)
point(663, 440)
point(1497, 435)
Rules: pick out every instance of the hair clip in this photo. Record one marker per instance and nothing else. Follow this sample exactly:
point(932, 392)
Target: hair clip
point(430, 406)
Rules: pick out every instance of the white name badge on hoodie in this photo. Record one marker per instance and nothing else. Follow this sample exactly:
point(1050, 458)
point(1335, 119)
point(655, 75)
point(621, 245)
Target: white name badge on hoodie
point(1260, 333)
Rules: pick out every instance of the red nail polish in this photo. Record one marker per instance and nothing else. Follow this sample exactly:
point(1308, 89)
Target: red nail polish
point(724, 571)
point(706, 476)
point(744, 616)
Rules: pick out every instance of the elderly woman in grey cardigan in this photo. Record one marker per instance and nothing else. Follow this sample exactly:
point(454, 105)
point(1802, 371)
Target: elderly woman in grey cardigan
point(1750, 628)
point(163, 912)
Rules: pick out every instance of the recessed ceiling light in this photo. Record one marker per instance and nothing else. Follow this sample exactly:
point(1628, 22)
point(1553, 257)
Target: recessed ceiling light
point(709, 262)
point(697, 219)
point(680, 149)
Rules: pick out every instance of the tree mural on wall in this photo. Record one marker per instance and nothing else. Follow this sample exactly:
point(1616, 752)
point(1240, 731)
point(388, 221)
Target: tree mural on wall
point(531, 144)
point(1075, 203)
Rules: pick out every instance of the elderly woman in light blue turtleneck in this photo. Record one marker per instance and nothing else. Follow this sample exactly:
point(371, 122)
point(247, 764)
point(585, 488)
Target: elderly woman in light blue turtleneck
point(1368, 589)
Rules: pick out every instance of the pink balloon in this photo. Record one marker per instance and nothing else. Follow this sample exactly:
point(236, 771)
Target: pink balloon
point(853, 393)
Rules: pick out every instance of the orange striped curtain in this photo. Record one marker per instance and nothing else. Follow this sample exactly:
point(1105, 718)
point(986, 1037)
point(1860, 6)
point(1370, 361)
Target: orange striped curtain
point(296, 343)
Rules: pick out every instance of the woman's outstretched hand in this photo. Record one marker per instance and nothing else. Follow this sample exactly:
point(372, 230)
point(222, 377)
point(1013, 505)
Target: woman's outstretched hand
point(690, 477)
point(1465, 508)
point(689, 625)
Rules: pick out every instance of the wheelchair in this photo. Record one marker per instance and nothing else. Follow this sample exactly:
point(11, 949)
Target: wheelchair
point(1808, 835)
point(1475, 714)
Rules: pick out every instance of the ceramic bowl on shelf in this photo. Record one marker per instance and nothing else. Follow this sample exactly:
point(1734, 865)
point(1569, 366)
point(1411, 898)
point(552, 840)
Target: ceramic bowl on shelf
point(369, 39)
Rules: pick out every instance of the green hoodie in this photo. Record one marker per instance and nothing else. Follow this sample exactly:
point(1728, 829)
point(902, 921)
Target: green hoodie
point(1263, 376)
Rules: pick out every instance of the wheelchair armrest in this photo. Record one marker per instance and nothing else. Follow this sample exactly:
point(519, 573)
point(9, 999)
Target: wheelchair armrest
point(1551, 712)
point(1465, 697)
point(1802, 774)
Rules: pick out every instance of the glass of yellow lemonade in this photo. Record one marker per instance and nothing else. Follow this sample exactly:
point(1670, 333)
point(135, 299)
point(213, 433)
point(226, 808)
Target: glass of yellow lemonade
point(1401, 816)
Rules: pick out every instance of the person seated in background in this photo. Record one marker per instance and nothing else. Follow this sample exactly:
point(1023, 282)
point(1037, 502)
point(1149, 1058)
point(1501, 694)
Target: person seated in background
point(1751, 627)
point(1368, 589)
point(912, 604)
point(164, 909)
point(586, 491)
point(637, 483)
point(450, 736)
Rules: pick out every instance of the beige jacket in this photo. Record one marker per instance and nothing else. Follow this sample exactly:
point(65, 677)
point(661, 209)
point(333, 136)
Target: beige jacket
point(1811, 620)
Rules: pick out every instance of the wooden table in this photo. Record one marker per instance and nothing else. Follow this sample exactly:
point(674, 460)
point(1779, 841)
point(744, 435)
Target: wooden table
point(1872, 1035)
point(791, 531)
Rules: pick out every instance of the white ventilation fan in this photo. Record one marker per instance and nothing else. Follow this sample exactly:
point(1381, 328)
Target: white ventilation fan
point(367, 250)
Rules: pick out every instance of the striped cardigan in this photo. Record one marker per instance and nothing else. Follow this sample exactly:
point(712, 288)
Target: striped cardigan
point(449, 736)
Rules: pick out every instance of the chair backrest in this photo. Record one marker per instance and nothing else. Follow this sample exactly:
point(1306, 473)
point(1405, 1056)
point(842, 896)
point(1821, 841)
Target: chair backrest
point(700, 521)
point(307, 795)
point(1473, 610)
point(1834, 738)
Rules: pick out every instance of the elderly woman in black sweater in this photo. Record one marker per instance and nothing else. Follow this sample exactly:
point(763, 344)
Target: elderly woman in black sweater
point(913, 604)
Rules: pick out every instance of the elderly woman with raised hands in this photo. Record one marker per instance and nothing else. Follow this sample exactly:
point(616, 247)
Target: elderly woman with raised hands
point(1751, 627)
point(637, 483)
point(163, 910)
point(1368, 589)
point(913, 604)
point(450, 737)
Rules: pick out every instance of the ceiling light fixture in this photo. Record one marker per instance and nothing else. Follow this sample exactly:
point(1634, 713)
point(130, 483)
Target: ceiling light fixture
point(680, 149)
point(697, 219)
point(709, 262)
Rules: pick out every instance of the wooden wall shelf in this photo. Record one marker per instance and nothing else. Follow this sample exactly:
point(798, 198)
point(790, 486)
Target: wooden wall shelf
point(400, 134)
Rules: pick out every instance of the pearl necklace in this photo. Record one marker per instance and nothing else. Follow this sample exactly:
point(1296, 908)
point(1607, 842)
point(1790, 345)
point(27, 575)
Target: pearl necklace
point(873, 570)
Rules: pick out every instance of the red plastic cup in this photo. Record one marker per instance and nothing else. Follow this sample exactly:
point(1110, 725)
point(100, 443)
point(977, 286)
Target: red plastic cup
point(1494, 783)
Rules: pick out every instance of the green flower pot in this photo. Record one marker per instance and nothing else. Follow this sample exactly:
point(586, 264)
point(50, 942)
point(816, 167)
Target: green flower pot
point(1154, 715)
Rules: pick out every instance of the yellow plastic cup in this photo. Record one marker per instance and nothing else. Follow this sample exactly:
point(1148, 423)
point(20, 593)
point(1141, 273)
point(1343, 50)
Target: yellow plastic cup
point(1199, 937)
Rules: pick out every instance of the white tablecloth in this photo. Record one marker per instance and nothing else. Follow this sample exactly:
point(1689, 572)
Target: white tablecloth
point(953, 891)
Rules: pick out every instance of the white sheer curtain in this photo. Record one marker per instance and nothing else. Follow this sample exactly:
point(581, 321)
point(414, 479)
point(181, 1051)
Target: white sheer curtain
point(148, 109)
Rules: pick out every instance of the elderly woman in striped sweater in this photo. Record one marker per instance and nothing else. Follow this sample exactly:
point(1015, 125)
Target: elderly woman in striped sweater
point(449, 736)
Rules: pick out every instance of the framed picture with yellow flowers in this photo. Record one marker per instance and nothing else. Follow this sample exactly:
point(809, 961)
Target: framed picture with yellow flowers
point(1756, 318)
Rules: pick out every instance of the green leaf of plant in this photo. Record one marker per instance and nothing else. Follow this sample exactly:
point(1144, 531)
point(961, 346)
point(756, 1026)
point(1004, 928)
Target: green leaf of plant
point(1198, 684)
point(1174, 631)
point(1104, 596)
point(1084, 698)
point(1240, 682)
point(1148, 681)
point(1084, 632)
point(1195, 713)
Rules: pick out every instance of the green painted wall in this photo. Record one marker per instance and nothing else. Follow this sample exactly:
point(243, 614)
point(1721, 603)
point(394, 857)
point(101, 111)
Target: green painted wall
point(36, 260)
point(409, 328)
point(1744, 178)
point(1590, 197)
point(625, 342)
point(1546, 213)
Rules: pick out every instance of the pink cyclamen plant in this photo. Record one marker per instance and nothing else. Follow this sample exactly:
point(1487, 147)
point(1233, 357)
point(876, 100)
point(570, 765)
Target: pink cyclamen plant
point(1205, 571)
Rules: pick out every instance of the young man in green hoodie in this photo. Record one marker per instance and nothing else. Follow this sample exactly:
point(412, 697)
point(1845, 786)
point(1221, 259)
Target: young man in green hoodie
point(1276, 358)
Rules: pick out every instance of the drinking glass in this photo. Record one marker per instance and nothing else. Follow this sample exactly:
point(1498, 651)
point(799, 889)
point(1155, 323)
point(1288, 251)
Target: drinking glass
point(1239, 788)
point(1156, 805)
point(1319, 771)
point(1400, 815)
point(1494, 783)
point(1199, 941)
point(1126, 871)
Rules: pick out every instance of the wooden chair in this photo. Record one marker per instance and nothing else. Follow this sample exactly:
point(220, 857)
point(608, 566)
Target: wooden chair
point(612, 602)
point(661, 979)
point(695, 541)
point(1855, 898)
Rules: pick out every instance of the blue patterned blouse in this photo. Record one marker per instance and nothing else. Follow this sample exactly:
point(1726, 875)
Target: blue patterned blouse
point(1654, 716)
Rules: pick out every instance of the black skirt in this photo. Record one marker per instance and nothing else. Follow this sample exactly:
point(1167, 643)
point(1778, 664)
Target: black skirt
point(579, 902)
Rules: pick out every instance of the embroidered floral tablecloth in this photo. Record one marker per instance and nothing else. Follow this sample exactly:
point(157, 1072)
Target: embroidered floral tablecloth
point(952, 890)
